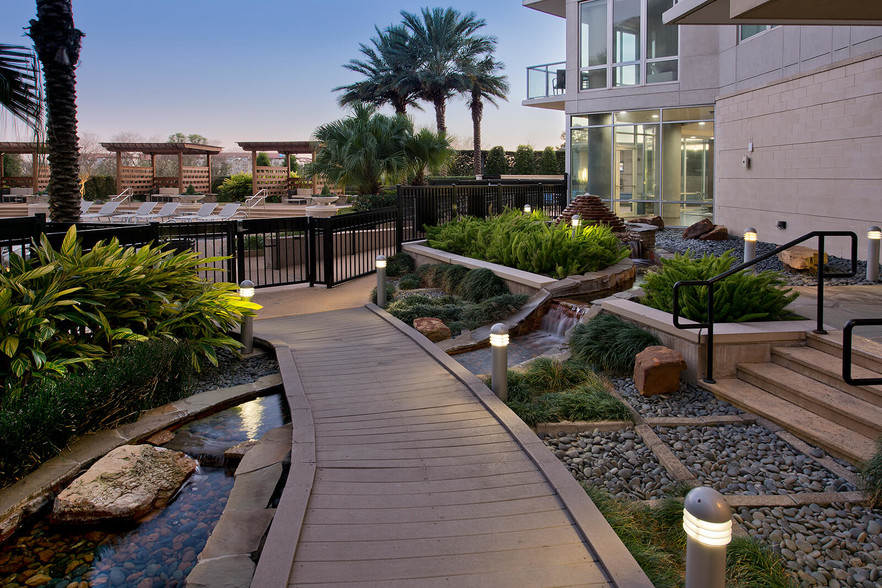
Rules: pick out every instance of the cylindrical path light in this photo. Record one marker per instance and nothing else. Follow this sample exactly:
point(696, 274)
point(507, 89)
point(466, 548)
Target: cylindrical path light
point(528, 209)
point(750, 245)
point(873, 236)
point(246, 292)
point(381, 281)
point(707, 520)
point(499, 375)
point(575, 222)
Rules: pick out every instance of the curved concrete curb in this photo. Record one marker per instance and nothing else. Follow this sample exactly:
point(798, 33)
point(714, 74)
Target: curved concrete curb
point(29, 494)
point(612, 555)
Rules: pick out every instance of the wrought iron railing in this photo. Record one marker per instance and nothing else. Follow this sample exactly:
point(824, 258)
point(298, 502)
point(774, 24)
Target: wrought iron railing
point(711, 284)
point(847, 351)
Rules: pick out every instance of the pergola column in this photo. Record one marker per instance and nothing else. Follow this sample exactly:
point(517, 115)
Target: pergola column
point(287, 172)
point(254, 172)
point(180, 172)
point(36, 172)
point(2, 173)
point(119, 188)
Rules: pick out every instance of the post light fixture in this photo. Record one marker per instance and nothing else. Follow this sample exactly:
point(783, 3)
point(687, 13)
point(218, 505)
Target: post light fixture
point(750, 245)
point(575, 222)
point(707, 520)
point(874, 234)
point(528, 209)
point(381, 281)
point(499, 374)
point(246, 292)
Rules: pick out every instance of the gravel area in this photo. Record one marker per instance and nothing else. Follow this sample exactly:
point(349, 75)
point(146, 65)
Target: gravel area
point(618, 461)
point(690, 401)
point(672, 240)
point(835, 545)
point(232, 371)
point(748, 459)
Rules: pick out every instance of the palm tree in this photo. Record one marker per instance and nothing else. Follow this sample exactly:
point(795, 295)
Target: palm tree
point(20, 91)
point(483, 82)
point(388, 71)
point(58, 46)
point(426, 150)
point(441, 41)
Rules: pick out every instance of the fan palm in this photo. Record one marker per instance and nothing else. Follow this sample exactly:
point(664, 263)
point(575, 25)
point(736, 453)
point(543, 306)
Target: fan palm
point(388, 71)
point(20, 91)
point(58, 46)
point(441, 41)
point(426, 150)
point(483, 82)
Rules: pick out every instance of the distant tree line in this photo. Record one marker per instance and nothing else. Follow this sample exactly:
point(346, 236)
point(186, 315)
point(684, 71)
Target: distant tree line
point(498, 161)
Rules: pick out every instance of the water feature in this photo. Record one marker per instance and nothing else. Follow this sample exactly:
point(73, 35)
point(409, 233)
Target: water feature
point(547, 338)
point(161, 548)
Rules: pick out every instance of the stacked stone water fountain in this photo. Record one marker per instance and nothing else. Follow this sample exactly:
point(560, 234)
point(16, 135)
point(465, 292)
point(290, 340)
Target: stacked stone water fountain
point(640, 232)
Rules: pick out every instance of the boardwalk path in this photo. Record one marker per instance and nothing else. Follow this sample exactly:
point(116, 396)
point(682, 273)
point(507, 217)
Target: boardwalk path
point(406, 470)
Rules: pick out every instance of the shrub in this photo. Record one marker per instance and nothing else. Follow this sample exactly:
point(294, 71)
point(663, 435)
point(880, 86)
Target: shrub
point(263, 159)
point(454, 312)
point(366, 202)
point(400, 263)
point(50, 414)
point(871, 472)
point(743, 296)
point(548, 162)
point(496, 162)
point(99, 187)
point(190, 191)
point(610, 343)
point(479, 284)
point(410, 282)
point(528, 243)
point(390, 293)
point(236, 188)
point(524, 161)
point(254, 242)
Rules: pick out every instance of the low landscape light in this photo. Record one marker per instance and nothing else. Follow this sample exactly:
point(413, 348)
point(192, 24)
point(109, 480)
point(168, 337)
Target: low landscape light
point(499, 373)
point(499, 335)
point(707, 520)
point(750, 234)
point(874, 233)
point(246, 289)
point(381, 281)
point(528, 209)
point(381, 261)
point(873, 236)
point(575, 222)
point(750, 245)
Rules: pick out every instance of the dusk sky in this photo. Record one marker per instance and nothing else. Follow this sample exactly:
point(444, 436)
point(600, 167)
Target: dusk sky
point(259, 71)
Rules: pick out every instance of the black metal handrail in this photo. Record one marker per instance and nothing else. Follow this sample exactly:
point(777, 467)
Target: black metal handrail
point(847, 347)
point(711, 283)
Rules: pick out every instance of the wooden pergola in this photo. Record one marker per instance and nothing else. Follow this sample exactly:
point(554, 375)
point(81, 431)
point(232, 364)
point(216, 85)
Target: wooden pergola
point(143, 180)
point(275, 181)
point(38, 180)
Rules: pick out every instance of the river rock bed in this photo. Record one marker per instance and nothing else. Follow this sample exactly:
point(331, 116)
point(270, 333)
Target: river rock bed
point(672, 240)
point(232, 371)
point(748, 459)
point(690, 401)
point(836, 545)
point(617, 461)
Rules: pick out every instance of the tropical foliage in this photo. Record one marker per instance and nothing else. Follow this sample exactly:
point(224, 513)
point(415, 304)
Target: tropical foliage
point(743, 296)
point(530, 243)
point(235, 188)
point(20, 90)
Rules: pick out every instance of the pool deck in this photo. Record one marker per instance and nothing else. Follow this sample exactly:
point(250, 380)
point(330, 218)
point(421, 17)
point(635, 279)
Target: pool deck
point(407, 470)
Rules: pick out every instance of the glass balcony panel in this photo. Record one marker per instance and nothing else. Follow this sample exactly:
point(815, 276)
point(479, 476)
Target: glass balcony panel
point(546, 80)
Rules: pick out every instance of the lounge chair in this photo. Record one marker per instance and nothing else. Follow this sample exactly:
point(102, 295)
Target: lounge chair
point(143, 210)
point(226, 213)
point(107, 209)
point(168, 210)
point(204, 211)
point(85, 205)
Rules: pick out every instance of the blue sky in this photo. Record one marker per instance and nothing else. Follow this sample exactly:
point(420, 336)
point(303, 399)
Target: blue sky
point(252, 71)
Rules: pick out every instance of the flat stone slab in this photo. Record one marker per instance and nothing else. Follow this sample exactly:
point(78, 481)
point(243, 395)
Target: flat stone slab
point(237, 532)
point(253, 490)
point(233, 571)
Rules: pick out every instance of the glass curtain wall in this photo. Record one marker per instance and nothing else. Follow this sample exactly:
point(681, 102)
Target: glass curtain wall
point(646, 162)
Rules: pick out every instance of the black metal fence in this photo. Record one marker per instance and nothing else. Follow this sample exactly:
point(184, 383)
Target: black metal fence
point(421, 206)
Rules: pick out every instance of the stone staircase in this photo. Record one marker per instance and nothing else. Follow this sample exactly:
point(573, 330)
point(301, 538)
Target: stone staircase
point(801, 389)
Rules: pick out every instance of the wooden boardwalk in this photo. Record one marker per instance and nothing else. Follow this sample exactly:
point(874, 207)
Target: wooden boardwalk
point(407, 471)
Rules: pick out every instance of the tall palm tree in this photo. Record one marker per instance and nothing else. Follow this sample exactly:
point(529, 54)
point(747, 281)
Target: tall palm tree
point(483, 82)
point(443, 40)
point(20, 91)
point(57, 42)
point(388, 71)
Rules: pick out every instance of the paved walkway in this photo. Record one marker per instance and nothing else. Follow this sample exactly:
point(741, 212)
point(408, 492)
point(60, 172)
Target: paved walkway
point(407, 470)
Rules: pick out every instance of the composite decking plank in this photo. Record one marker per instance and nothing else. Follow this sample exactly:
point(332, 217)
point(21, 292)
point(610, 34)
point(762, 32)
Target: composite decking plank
point(431, 448)
point(430, 499)
point(421, 439)
point(424, 472)
point(482, 458)
point(427, 418)
point(426, 431)
point(368, 452)
point(347, 487)
point(380, 408)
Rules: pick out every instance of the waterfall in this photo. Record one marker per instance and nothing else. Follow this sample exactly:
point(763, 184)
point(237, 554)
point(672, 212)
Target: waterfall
point(560, 318)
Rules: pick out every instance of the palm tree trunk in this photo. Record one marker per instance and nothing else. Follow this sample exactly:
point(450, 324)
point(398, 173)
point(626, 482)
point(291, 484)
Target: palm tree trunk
point(440, 113)
point(477, 115)
point(399, 105)
point(58, 45)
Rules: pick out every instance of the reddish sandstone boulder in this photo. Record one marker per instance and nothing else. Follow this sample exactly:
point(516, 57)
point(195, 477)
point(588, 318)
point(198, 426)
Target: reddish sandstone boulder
point(718, 233)
point(698, 229)
point(655, 221)
point(434, 329)
point(657, 370)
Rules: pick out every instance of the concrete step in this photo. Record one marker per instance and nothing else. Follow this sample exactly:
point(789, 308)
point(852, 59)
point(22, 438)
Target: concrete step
point(833, 438)
point(865, 353)
point(825, 401)
point(827, 368)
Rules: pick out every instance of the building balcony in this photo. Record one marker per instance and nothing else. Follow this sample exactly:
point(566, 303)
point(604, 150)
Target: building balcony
point(546, 85)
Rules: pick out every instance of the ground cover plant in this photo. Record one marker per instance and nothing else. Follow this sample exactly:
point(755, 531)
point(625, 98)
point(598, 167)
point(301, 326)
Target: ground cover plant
point(871, 472)
point(743, 296)
point(530, 242)
point(63, 308)
point(610, 344)
point(551, 391)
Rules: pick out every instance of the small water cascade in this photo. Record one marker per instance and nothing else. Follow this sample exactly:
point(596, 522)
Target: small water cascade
point(560, 318)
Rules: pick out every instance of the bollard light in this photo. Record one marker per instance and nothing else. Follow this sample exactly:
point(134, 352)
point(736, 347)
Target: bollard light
point(750, 245)
point(246, 291)
point(873, 236)
point(707, 520)
point(499, 375)
point(381, 281)
point(528, 209)
point(575, 222)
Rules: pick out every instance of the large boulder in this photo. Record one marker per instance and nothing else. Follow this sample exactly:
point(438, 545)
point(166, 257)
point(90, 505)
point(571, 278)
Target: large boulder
point(657, 370)
point(801, 258)
point(434, 329)
point(698, 229)
point(654, 220)
point(718, 233)
point(125, 484)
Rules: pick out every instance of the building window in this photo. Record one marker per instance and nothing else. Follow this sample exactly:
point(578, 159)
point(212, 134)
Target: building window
point(643, 50)
point(646, 162)
point(747, 31)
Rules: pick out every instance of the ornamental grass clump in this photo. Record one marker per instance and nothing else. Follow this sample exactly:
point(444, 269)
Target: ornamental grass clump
point(610, 343)
point(529, 242)
point(871, 472)
point(743, 296)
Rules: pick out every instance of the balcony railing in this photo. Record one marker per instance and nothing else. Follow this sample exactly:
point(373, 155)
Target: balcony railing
point(546, 80)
